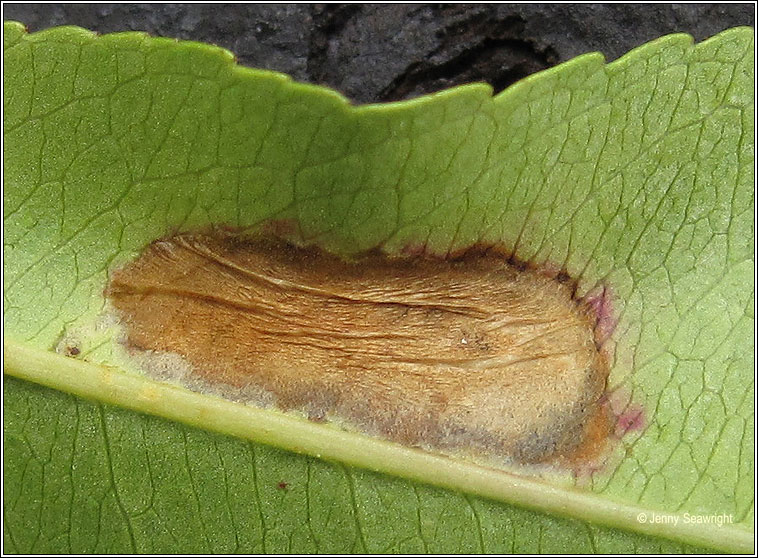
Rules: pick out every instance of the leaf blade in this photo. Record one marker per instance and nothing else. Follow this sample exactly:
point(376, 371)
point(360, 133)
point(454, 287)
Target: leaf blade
point(310, 152)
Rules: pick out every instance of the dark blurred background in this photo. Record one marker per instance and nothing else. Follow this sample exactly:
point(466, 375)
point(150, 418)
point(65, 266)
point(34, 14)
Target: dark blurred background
point(382, 52)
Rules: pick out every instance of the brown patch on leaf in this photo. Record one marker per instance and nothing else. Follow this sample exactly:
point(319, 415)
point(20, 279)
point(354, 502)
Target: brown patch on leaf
point(473, 356)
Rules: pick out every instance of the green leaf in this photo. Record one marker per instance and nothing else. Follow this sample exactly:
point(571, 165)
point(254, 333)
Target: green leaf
point(636, 177)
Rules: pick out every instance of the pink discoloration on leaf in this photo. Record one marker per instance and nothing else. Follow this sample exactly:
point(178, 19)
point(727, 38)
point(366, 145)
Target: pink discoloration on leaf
point(552, 270)
point(414, 249)
point(282, 228)
point(599, 301)
point(630, 416)
point(583, 472)
point(630, 420)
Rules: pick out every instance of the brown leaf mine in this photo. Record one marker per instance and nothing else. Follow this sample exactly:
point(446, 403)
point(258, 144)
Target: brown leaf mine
point(469, 357)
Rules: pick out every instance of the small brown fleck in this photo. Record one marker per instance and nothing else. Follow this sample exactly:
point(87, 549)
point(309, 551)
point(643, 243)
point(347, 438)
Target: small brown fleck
point(474, 356)
point(281, 485)
point(72, 351)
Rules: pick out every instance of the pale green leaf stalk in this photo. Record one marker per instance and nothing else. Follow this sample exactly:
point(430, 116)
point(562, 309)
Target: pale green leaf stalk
point(635, 177)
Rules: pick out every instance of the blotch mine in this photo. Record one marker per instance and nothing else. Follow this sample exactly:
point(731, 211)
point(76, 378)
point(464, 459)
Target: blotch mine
point(471, 357)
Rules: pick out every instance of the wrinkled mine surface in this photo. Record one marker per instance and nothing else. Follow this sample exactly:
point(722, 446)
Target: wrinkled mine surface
point(469, 357)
